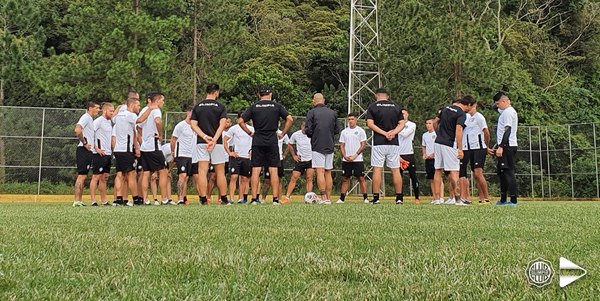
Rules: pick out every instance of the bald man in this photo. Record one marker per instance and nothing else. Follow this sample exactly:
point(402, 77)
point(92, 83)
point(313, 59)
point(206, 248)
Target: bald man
point(321, 126)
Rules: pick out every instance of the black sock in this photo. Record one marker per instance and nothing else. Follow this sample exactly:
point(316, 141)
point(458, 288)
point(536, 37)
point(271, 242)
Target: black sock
point(253, 200)
point(257, 197)
point(119, 199)
point(375, 197)
point(513, 199)
point(365, 196)
point(185, 198)
point(457, 198)
point(203, 200)
point(343, 197)
point(245, 197)
point(503, 197)
point(400, 197)
point(155, 200)
point(224, 199)
point(275, 200)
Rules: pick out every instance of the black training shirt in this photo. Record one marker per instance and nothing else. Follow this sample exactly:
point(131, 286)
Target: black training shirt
point(321, 126)
point(265, 115)
point(208, 113)
point(450, 116)
point(386, 115)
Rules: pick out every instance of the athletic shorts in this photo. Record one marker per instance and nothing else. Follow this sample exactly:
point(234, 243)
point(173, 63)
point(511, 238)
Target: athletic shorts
point(240, 166)
point(125, 162)
point(211, 168)
point(265, 155)
point(411, 162)
point(388, 154)
point(356, 169)
point(508, 159)
point(184, 165)
point(322, 160)
point(101, 164)
point(446, 157)
point(217, 156)
point(153, 161)
point(477, 158)
point(266, 174)
point(302, 166)
point(429, 168)
point(194, 168)
point(138, 164)
point(84, 160)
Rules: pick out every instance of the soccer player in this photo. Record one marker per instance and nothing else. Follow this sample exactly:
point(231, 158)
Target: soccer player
point(209, 119)
point(407, 154)
point(181, 150)
point(84, 131)
point(448, 147)
point(427, 142)
point(102, 153)
point(321, 126)
point(506, 140)
point(386, 119)
point(303, 158)
point(266, 176)
point(265, 115)
point(476, 138)
point(212, 177)
point(353, 141)
point(238, 144)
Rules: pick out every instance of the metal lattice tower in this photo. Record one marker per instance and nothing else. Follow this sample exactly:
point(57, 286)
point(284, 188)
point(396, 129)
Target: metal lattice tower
point(363, 74)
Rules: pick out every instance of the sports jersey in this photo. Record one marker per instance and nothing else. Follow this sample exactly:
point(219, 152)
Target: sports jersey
point(150, 141)
point(406, 137)
point(427, 140)
point(386, 115)
point(280, 142)
point(265, 116)
point(241, 141)
point(208, 114)
point(473, 133)
point(303, 146)
point(508, 117)
point(102, 135)
point(86, 122)
point(185, 139)
point(450, 117)
point(124, 131)
point(352, 138)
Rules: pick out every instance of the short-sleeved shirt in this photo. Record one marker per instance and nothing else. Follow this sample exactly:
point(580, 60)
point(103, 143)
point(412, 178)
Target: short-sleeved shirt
point(280, 142)
point(124, 131)
point(473, 134)
point(508, 117)
point(208, 114)
point(406, 137)
point(87, 124)
point(352, 138)
point(150, 141)
point(265, 116)
point(450, 117)
point(386, 115)
point(186, 139)
point(303, 146)
point(241, 141)
point(427, 140)
point(102, 135)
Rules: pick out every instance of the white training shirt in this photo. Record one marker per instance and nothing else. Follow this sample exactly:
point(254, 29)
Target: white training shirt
point(186, 139)
point(124, 131)
point(406, 137)
point(166, 150)
point(473, 133)
point(87, 125)
point(280, 142)
point(240, 140)
point(508, 117)
point(428, 140)
point(352, 137)
point(102, 135)
point(303, 146)
point(150, 141)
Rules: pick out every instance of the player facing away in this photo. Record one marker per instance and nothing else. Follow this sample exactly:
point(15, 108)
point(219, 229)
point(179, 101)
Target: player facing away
point(102, 153)
point(238, 143)
point(84, 131)
point(212, 176)
point(302, 156)
point(506, 153)
point(407, 154)
point(476, 138)
point(427, 142)
point(181, 144)
point(209, 119)
point(353, 140)
point(386, 119)
point(265, 115)
point(266, 176)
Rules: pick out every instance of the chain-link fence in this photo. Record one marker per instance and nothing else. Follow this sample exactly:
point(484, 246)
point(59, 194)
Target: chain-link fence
point(37, 155)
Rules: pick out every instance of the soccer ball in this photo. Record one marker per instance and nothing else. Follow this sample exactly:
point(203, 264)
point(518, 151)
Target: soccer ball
point(311, 198)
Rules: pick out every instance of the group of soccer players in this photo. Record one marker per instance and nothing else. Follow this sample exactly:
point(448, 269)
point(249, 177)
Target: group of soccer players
point(205, 146)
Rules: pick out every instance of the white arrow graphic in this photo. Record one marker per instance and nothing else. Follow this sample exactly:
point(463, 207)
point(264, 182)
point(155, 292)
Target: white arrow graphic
point(566, 264)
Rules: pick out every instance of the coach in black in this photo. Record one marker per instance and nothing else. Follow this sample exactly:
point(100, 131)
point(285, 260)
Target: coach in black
point(265, 115)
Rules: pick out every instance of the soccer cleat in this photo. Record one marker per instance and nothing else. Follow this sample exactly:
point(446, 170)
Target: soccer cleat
point(339, 201)
point(254, 202)
point(156, 203)
point(450, 201)
point(325, 202)
point(95, 204)
point(435, 202)
point(511, 204)
point(366, 201)
point(106, 204)
point(138, 202)
point(147, 202)
point(118, 203)
point(129, 204)
point(242, 201)
point(168, 202)
point(399, 202)
point(180, 202)
point(500, 203)
point(461, 203)
point(285, 199)
point(466, 202)
point(77, 204)
point(276, 203)
point(375, 202)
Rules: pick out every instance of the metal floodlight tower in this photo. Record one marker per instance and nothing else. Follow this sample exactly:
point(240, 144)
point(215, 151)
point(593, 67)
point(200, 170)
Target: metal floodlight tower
point(364, 75)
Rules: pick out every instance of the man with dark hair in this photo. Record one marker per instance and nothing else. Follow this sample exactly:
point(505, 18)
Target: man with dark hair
point(265, 115)
point(238, 143)
point(353, 141)
point(386, 119)
point(209, 119)
point(448, 147)
point(407, 155)
point(182, 143)
point(84, 131)
point(506, 141)
point(102, 153)
point(427, 148)
point(476, 139)
point(303, 159)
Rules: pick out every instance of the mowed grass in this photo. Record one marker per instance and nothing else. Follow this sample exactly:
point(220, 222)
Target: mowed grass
point(294, 252)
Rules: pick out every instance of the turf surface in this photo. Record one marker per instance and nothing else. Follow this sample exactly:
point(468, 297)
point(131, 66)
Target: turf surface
point(295, 251)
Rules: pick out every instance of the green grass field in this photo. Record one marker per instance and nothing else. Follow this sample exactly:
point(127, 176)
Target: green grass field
point(295, 252)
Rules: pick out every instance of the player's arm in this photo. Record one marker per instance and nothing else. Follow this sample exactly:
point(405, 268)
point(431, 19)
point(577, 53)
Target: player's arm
point(371, 124)
point(290, 149)
point(288, 124)
point(504, 142)
point(173, 143)
point(198, 131)
point(222, 123)
point(424, 152)
point(144, 116)
point(486, 136)
point(459, 136)
point(401, 124)
point(159, 129)
point(407, 131)
point(226, 146)
point(363, 145)
point(79, 133)
point(436, 123)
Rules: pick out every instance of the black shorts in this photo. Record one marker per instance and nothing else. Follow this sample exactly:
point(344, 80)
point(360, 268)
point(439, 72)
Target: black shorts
point(84, 160)
point(266, 174)
point(194, 168)
point(302, 166)
point(356, 169)
point(101, 164)
point(125, 162)
point(138, 165)
point(462, 172)
point(429, 168)
point(153, 161)
point(211, 168)
point(240, 166)
point(184, 165)
point(411, 162)
point(265, 155)
point(477, 158)
point(508, 159)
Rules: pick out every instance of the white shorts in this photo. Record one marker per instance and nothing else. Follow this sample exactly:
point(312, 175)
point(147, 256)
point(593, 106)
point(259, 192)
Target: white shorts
point(217, 156)
point(195, 154)
point(388, 154)
point(446, 157)
point(322, 161)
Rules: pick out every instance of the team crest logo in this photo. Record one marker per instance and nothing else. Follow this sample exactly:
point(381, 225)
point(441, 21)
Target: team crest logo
point(101, 169)
point(232, 169)
point(356, 133)
point(182, 168)
point(539, 272)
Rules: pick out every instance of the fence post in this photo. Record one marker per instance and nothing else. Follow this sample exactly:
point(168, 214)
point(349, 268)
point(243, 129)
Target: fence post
point(541, 159)
point(548, 160)
point(41, 154)
point(531, 163)
point(596, 161)
point(571, 163)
